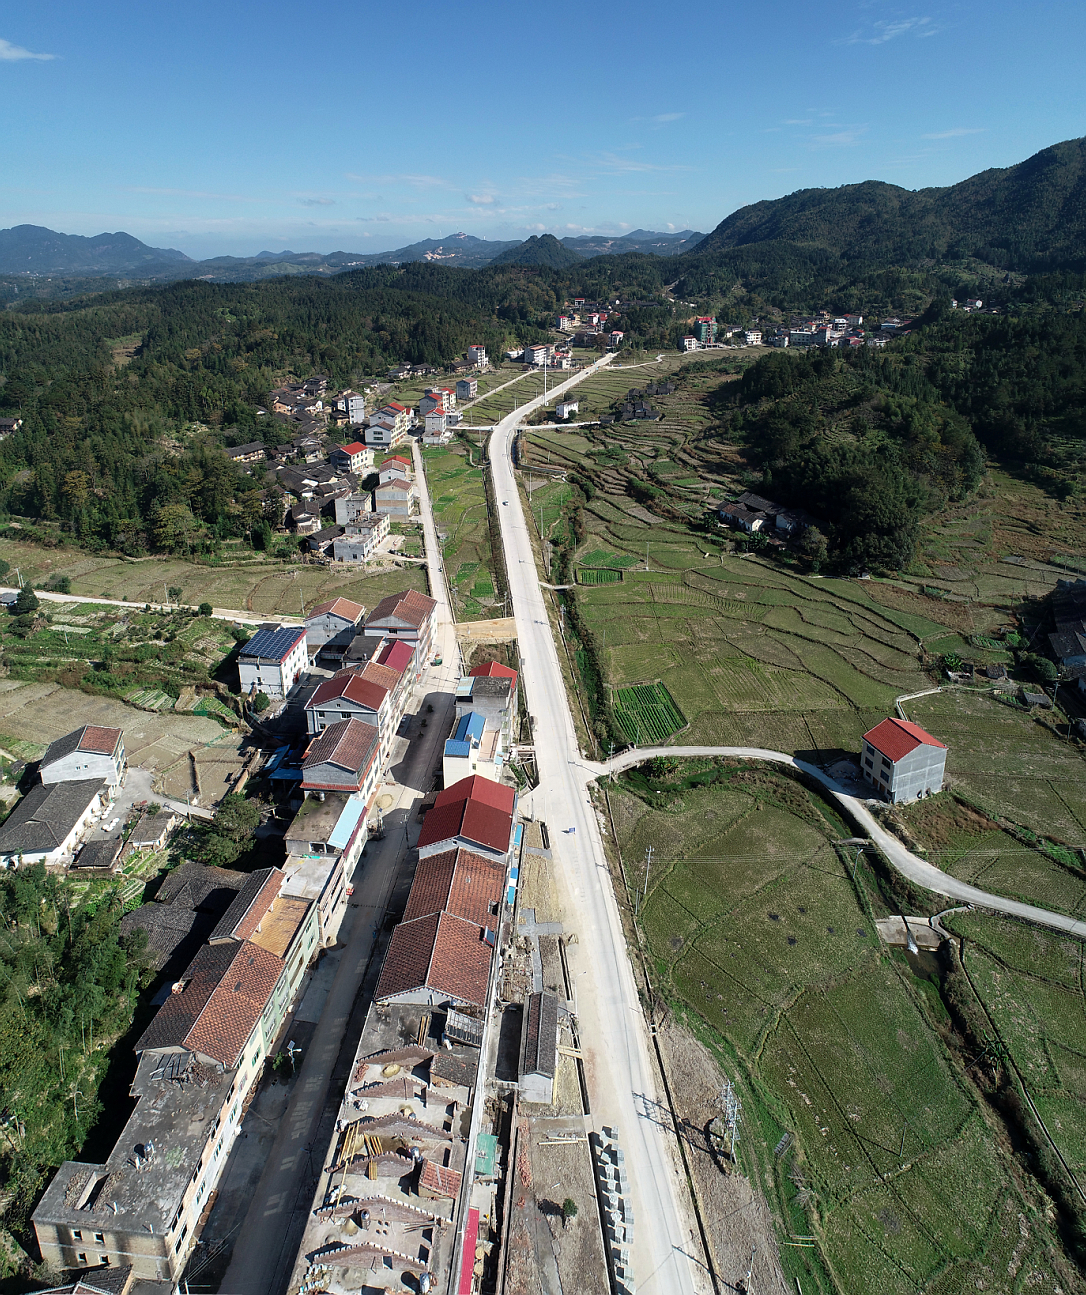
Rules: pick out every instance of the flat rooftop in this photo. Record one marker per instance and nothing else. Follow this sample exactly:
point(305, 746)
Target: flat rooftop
point(179, 1099)
point(406, 1125)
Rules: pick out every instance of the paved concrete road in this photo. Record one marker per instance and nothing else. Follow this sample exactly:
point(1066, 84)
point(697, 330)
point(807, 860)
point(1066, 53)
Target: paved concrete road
point(908, 864)
point(267, 1240)
point(621, 1075)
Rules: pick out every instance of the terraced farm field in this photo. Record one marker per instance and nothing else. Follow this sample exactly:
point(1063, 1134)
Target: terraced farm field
point(260, 587)
point(647, 713)
point(863, 1130)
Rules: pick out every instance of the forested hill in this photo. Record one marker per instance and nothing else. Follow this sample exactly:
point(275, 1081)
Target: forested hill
point(1029, 217)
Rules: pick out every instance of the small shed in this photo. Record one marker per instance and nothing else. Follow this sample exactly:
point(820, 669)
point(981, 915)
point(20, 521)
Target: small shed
point(539, 1049)
point(102, 856)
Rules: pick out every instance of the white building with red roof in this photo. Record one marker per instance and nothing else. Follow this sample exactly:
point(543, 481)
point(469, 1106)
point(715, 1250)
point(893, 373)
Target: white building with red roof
point(408, 616)
point(355, 457)
point(88, 752)
point(902, 760)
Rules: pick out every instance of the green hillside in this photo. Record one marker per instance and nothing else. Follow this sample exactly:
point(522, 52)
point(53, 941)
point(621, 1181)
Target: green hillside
point(541, 249)
point(1027, 217)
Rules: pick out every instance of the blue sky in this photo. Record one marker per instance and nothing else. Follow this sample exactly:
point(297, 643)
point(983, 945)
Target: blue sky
point(234, 127)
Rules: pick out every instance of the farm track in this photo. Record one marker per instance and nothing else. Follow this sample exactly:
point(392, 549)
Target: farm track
point(903, 860)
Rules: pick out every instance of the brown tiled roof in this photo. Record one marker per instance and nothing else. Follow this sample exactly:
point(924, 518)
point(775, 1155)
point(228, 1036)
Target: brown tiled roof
point(382, 675)
point(410, 606)
point(458, 882)
point(102, 740)
point(253, 900)
point(226, 988)
point(440, 1179)
point(349, 684)
point(439, 952)
point(476, 787)
point(471, 819)
point(338, 607)
point(350, 744)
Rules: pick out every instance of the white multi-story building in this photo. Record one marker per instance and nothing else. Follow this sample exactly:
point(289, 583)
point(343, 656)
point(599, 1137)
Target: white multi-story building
point(273, 660)
point(477, 355)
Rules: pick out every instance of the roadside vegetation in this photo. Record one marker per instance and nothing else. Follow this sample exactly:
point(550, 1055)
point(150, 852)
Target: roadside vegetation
point(458, 495)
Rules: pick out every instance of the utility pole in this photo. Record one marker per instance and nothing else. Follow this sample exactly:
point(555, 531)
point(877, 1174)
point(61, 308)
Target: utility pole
point(611, 762)
point(649, 850)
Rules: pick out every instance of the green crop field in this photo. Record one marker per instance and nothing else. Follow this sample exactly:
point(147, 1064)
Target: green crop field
point(458, 497)
point(598, 576)
point(758, 933)
point(1009, 763)
point(1030, 982)
point(647, 713)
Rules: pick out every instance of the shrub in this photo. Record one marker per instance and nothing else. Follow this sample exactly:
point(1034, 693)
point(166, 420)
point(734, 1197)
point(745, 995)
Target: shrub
point(205, 609)
point(261, 702)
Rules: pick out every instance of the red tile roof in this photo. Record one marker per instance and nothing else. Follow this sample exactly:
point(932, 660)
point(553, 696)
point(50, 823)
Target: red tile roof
point(492, 670)
point(250, 905)
point(355, 447)
point(438, 952)
point(226, 988)
point(102, 740)
point(895, 738)
point(482, 789)
point(459, 882)
point(396, 458)
point(397, 656)
point(339, 607)
point(350, 744)
point(471, 819)
point(440, 1179)
point(349, 684)
point(410, 606)
point(382, 675)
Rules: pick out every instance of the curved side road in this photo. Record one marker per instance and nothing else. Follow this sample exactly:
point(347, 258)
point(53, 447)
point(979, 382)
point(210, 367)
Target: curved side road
point(908, 864)
point(620, 1072)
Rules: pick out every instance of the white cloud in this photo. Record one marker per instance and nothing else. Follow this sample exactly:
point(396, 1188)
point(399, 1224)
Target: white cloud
point(841, 138)
point(669, 116)
point(481, 199)
point(317, 202)
point(10, 53)
point(955, 132)
point(889, 29)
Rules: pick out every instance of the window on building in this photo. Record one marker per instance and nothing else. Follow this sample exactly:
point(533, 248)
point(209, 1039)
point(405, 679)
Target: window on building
point(885, 763)
point(77, 1235)
point(81, 1258)
point(104, 1260)
point(884, 775)
point(99, 1237)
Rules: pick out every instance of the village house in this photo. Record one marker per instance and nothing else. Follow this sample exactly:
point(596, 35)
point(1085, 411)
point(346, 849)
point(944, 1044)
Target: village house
point(361, 538)
point(355, 457)
point(903, 761)
point(395, 468)
point(245, 455)
point(475, 814)
point(566, 408)
point(87, 752)
point(406, 616)
point(198, 1060)
point(396, 498)
point(48, 823)
point(467, 388)
point(477, 355)
point(273, 660)
point(343, 757)
point(331, 626)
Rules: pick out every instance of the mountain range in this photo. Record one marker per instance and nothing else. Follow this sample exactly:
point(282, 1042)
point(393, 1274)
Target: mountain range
point(33, 249)
point(1028, 217)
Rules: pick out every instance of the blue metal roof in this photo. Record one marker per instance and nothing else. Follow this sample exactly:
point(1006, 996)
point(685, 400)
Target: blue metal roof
point(470, 728)
point(461, 749)
point(348, 821)
point(273, 645)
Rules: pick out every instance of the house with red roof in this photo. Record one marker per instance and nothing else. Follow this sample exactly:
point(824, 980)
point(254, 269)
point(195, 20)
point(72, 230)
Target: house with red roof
point(330, 627)
point(407, 616)
point(474, 814)
point(347, 695)
point(356, 457)
point(441, 952)
point(902, 761)
point(88, 752)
